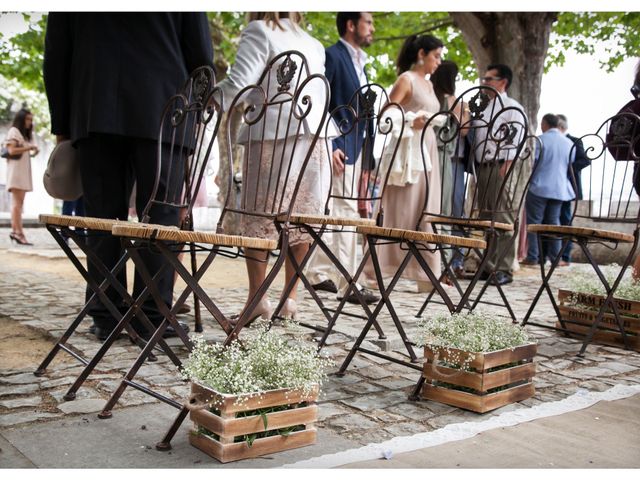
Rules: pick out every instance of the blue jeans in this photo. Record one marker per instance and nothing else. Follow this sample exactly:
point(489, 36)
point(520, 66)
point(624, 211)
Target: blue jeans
point(565, 219)
point(545, 211)
point(75, 207)
point(457, 207)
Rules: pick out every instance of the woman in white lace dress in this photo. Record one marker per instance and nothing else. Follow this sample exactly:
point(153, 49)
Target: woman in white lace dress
point(267, 35)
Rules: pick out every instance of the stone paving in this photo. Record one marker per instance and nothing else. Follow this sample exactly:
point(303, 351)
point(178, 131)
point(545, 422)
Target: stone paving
point(369, 404)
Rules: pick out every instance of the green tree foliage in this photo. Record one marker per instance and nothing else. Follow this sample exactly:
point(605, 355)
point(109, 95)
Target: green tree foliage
point(392, 28)
point(583, 32)
point(21, 56)
point(21, 81)
point(225, 35)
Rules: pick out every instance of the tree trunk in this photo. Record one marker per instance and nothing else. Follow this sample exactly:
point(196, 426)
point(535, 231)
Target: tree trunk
point(231, 220)
point(517, 39)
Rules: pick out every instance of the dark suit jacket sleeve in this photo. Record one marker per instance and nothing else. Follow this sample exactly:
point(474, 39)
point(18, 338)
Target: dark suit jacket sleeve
point(581, 161)
point(330, 66)
point(196, 42)
point(58, 52)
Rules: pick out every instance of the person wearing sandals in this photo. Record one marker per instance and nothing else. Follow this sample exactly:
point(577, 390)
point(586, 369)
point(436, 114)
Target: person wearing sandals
point(403, 202)
point(19, 181)
point(267, 35)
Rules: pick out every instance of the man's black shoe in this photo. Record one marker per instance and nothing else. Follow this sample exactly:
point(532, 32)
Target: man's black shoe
point(501, 278)
point(326, 285)
point(102, 333)
point(484, 276)
point(367, 295)
point(183, 309)
point(168, 333)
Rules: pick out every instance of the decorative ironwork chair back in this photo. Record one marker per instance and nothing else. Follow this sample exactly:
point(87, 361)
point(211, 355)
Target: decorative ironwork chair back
point(608, 181)
point(490, 133)
point(188, 128)
point(285, 104)
point(379, 124)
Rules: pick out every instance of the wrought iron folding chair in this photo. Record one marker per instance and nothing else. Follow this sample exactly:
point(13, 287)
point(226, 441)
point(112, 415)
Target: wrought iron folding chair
point(183, 126)
point(415, 243)
point(370, 116)
point(613, 153)
point(283, 116)
point(493, 148)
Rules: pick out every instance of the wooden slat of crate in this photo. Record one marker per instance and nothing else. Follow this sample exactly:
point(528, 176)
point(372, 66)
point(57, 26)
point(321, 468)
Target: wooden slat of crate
point(485, 361)
point(480, 381)
point(587, 317)
point(477, 403)
point(232, 427)
point(229, 404)
point(261, 446)
point(625, 306)
point(606, 337)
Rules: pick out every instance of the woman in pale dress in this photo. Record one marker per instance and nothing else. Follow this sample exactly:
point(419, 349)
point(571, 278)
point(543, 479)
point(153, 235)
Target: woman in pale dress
point(420, 56)
point(19, 181)
point(267, 35)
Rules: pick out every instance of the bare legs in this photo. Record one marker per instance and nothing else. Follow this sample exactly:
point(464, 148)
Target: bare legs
point(256, 261)
point(17, 204)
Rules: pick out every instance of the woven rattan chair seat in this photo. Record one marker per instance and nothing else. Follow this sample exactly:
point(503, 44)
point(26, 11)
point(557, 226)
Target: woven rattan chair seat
point(422, 236)
point(90, 223)
point(170, 234)
point(467, 222)
point(582, 232)
point(328, 220)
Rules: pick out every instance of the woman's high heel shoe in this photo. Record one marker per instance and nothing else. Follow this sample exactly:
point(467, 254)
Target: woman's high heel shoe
point(19, 238)
point(289, 310)
point(263, 310)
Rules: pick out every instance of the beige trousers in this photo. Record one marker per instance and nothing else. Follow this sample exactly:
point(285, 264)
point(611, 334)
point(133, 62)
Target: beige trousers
point(344, 243)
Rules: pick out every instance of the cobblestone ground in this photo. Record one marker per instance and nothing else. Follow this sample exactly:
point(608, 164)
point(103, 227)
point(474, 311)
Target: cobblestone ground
point(369, 404)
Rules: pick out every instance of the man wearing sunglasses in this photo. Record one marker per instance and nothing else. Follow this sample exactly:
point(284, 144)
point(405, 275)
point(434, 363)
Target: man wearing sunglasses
point(491, 153)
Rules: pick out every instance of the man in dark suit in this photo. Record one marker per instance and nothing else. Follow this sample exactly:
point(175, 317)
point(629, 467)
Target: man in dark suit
point(344, 69)
point(581, 161)
point(107, 77)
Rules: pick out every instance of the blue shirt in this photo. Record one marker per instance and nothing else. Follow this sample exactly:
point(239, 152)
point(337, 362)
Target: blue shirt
point(550, 178)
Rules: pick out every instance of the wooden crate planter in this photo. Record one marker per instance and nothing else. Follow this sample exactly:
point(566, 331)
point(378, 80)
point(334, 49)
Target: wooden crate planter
point(227, 425)
point(516, 380)
point(578, 319)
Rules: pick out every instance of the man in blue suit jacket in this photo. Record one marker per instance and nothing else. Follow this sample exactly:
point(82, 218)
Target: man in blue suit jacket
point(344, 69)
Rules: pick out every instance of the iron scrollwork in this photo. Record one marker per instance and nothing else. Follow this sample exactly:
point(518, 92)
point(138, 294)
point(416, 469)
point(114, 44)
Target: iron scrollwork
point(367, 101)
point(285, 73)
point(477, 105)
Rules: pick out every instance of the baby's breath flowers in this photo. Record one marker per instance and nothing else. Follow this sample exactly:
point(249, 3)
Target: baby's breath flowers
point(471, 332)
point(263, 361)
point(474, 332)
point(586, 281)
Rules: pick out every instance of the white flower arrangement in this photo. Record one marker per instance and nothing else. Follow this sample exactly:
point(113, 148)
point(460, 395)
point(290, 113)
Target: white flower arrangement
point(471, 332)
point(264, 361)
point(586, 281)
point(456, 339)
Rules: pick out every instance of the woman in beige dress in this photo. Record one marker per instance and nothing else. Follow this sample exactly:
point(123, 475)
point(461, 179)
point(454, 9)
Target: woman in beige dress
point(420, 56)
point(19, 181)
